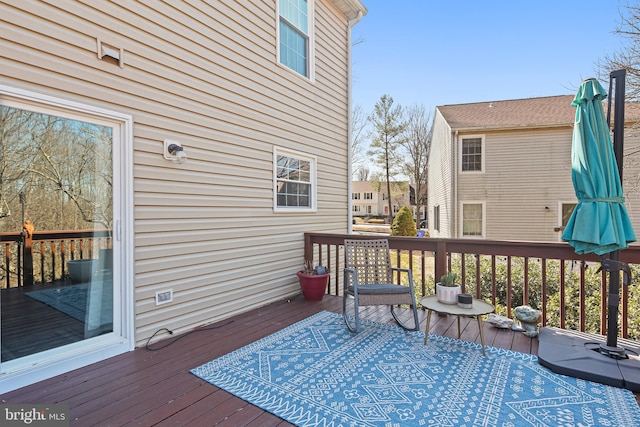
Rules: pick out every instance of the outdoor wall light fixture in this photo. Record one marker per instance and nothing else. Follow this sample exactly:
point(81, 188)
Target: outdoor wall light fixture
point(547, 208)
point(174, 151)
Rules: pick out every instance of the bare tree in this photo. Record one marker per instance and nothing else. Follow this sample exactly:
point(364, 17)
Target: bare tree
point(55, 170)
point(388, 137)
point(416, 143)
point(362, 174)
point(628, 57)
point(359, 134)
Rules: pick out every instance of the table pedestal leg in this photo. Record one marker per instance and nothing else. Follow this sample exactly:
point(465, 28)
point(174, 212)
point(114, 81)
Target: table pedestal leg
point(426, 330)
point(484, 353)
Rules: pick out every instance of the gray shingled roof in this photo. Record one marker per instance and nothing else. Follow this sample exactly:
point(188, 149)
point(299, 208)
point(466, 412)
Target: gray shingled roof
point(517, 113)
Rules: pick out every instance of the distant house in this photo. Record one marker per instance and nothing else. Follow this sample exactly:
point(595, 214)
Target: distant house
point(255, 93)
point(502, 170)
point(367, 202)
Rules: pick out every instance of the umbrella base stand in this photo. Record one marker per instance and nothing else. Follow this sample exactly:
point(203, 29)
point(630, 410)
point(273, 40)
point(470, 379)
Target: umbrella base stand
point(612, 352)
point(580, 355)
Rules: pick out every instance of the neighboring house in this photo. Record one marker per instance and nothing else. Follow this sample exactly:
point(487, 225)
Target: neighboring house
point(502, 170)
point(257, 94)
point(366, 201)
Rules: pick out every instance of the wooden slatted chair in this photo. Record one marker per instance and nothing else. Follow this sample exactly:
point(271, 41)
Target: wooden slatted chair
point(368, 279)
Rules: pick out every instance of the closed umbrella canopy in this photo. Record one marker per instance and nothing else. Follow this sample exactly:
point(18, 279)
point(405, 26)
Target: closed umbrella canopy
point(600, 223)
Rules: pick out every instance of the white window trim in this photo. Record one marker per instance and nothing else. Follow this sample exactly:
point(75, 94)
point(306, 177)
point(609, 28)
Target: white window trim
point(312, 42)
point(313, 160)
point(40, 366)
point(483, 152)
point(484, 218)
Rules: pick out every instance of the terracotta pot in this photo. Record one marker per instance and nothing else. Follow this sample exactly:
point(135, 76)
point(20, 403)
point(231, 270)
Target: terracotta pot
point(314, 286)
point(448, 294)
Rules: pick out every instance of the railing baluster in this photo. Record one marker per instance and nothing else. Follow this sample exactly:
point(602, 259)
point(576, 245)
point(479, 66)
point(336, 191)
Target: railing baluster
point(563, 311)
point(463, 279)
point(7, 264)
point(494, 290)
point(478, 278)
point(603, 303)
point(42, 262)
point(509, 286)
point(624, 311)
point(423, 273)
point(582, 296)
point(63, 258)
point(543, 290)
point(525, 291)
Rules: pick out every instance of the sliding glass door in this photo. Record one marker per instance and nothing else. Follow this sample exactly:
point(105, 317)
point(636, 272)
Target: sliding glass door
point(60, 283)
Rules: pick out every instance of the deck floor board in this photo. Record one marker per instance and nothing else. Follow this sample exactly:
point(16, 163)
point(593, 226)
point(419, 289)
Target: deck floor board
point(155, 388)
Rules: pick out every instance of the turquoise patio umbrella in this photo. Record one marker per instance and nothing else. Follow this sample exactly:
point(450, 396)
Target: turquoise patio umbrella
point(600, 223)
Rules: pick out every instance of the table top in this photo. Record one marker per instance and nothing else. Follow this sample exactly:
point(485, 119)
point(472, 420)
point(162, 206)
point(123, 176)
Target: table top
point(478, 307)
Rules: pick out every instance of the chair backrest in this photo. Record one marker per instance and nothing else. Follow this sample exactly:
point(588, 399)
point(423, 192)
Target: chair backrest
point(370, 258)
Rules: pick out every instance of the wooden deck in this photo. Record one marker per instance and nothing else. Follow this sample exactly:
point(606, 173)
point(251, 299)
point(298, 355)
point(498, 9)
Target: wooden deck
point(154, 387)
point(29, 326)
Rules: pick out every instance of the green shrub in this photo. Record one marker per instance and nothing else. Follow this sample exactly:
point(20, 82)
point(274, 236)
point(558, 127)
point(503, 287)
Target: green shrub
point(403, 223)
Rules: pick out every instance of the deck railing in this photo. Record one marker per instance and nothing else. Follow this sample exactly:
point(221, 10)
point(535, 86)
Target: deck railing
point(505, 273)
point(42, 256)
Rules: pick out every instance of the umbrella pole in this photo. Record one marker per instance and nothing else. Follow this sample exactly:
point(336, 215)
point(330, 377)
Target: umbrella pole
point(613, 300)
point(615, 266)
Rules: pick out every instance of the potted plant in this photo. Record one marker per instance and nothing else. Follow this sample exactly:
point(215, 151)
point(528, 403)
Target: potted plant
point(447, 289)
point(313, 281)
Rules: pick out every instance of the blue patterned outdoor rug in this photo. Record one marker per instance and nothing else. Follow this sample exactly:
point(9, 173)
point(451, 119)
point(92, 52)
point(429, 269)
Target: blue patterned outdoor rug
point(71, 300)
point(317, 373)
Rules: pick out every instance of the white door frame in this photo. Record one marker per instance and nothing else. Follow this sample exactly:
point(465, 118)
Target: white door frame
point(30, 369)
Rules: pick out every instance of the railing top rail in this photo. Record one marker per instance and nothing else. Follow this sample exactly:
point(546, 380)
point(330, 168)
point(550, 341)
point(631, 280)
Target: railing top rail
point(549, 250)
point(16, 236)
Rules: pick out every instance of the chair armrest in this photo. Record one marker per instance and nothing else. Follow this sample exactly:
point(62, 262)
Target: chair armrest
point(405, 270)
point(345, 282)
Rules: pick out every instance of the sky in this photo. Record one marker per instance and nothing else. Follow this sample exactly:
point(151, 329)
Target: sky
point(442, 52)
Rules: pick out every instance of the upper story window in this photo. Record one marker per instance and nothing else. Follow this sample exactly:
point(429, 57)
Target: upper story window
point(368, 196)
point(294, 181)
point(355, 196)
point(472, 159)
point(295, 38)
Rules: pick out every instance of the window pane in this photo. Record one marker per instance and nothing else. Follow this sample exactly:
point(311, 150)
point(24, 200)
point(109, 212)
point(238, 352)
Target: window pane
point(293, 49)
point(472, 220)
point(295, 12)
point(57, 173)
point(293, 182)
point(294, 35)
point(567, 210)
point(472, 154)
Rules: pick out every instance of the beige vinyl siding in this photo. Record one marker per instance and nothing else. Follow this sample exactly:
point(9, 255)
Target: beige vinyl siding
point(524, 172)
point(440, 178)
point(204, 74)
